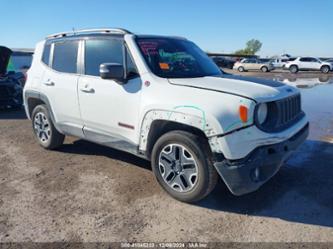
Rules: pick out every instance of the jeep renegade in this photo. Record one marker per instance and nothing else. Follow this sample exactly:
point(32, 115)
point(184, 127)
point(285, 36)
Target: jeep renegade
point(163, 99)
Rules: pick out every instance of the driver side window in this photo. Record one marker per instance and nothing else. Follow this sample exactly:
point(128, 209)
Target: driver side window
point(99, 51)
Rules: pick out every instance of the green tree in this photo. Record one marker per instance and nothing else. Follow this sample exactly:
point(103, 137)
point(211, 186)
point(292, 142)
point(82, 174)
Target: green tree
point(252, 47)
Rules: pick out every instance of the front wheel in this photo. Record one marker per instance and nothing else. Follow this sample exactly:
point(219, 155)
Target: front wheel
point(45, 132)
point(182, 165)
point(325, 69)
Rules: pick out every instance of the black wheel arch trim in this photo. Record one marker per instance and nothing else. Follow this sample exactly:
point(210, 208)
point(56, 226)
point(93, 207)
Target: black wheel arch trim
point(28, 94)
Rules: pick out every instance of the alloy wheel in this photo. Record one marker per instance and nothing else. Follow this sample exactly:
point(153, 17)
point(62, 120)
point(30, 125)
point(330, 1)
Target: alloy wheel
point(178, 167)
point(42, 127)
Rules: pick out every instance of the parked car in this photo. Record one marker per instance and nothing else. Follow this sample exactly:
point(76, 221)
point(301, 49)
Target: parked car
point(253, 64)
point(223, 62)
point(163, 99)
point(10, 85)
point(308, 64)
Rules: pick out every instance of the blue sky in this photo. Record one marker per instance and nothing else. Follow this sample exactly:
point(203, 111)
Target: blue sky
point(298, 27)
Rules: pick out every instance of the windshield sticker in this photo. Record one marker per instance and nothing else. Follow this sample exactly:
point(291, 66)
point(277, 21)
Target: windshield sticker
point(149, 48)
point(164, 66)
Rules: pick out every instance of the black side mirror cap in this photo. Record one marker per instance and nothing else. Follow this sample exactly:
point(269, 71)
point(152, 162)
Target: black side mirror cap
point(114, 71)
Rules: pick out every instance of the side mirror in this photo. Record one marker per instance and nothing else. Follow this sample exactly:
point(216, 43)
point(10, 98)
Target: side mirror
point(114, 71)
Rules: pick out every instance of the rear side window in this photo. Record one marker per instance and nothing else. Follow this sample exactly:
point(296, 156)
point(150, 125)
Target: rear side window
point(65, 56)
point(101, 51)
point(46, 54)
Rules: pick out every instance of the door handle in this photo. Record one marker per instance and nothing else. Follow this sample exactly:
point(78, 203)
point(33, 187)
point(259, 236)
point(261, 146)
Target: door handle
point(49, 83)
point(87, 89)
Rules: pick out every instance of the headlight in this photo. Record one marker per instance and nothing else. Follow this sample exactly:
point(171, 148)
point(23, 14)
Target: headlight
point(262, 113)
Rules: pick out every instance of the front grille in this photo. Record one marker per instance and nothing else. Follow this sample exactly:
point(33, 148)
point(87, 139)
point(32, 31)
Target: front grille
point(288, 108)
point(282, 114)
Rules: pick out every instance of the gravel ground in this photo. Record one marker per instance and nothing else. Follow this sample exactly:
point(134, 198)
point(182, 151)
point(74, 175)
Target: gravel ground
point(86, 192)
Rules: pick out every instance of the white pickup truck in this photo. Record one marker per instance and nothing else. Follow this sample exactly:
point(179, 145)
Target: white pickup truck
point(163, 99)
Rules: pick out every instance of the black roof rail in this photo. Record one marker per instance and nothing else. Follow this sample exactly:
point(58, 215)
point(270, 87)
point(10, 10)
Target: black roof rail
point(90, 31)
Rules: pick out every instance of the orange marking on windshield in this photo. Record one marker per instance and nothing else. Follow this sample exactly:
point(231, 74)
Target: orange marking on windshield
point(164, 66)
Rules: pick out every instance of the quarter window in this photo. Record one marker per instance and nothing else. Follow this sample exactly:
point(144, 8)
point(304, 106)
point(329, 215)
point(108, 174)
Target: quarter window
point(65, 56)
point(98, 52)
point(132, 72)
point(46, 54)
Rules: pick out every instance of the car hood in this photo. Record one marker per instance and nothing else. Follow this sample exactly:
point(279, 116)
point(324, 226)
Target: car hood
point(5, 54)
point(260, 90)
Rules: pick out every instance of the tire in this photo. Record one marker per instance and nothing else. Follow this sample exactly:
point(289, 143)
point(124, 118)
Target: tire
point(293, 69)
point(198, 173)
point(45, 132)
point(264, 69)
point(241, 69)
point(325, 69)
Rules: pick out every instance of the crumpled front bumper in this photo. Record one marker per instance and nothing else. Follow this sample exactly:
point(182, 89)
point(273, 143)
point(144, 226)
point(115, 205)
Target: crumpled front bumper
point(248, 174)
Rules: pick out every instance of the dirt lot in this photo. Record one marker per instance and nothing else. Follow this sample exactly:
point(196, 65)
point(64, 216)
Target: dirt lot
point(85, 192)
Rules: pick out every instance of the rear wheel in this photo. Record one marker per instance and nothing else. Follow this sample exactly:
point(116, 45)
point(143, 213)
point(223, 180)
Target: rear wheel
point(241, 69)
point(325, 69)
point(293, 69)
point(45, 132)
point(182, 165)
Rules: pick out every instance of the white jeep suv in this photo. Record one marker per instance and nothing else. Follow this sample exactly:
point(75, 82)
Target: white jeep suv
point(163, 99)
point(308, 64)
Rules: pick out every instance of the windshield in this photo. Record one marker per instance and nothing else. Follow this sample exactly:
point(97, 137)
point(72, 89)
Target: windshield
point(175, 58)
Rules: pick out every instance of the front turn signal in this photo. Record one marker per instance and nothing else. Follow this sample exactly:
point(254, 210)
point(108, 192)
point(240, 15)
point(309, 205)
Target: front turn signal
point(243, 113)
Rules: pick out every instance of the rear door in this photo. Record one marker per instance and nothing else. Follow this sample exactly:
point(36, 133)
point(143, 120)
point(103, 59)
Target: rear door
point(315, 63)
point(59, 84)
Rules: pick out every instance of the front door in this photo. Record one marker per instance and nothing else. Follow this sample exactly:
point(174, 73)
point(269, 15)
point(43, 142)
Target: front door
point(305, 63)
point(109, 109)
